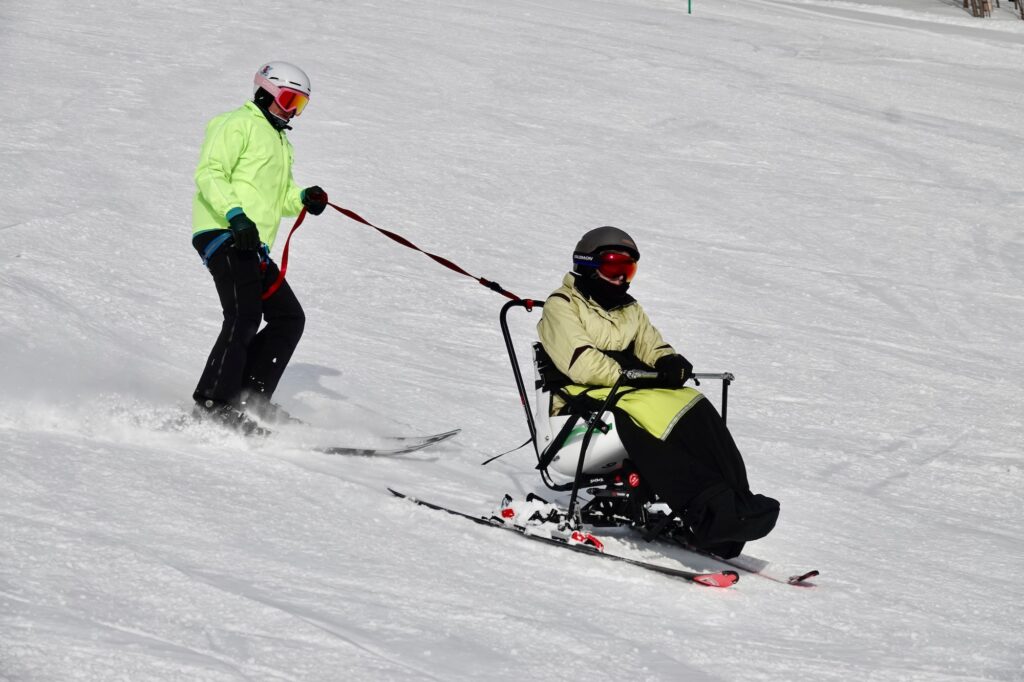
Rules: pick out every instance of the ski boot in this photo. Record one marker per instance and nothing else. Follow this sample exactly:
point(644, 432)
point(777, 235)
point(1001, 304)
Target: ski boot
point(226, 414)
point(256, 404)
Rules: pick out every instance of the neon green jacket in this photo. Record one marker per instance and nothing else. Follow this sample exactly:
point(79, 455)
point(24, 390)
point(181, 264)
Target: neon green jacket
point(245, 163)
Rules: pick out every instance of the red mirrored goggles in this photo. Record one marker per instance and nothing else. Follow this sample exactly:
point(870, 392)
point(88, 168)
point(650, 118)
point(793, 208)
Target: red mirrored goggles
point(611, 264)
point(291, 100)
point(288, 99)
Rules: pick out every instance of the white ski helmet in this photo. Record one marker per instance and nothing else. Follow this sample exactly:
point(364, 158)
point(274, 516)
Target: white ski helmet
point(285, 83)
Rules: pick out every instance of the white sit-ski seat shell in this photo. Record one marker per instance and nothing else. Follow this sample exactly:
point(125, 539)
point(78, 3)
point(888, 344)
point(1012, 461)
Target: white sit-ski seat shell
point(605, 452)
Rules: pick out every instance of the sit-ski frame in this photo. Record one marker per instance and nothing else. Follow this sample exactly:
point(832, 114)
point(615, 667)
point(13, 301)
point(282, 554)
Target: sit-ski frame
point(529, 304)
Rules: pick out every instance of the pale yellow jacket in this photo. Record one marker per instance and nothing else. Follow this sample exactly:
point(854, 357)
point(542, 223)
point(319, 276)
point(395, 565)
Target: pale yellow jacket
point(574, 330)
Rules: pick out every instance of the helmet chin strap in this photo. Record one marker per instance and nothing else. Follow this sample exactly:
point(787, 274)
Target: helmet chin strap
point(263, 99)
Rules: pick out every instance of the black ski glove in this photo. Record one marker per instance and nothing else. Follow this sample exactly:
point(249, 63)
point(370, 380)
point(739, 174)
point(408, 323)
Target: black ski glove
point(314, 199)
point(247, 235)
point(673, 371)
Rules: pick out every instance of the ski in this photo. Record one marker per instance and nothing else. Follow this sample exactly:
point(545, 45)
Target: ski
point(797, 580)
point(744, 562)
point(433, 438)
point(406, 444)
point(720, 579)
point(752, 566)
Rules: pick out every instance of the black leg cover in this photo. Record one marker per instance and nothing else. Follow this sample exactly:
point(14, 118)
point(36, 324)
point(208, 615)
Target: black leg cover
point(699, 472)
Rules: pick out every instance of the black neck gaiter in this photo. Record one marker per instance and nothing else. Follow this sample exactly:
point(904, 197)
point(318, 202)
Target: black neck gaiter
point(607, 295)
point(278, 123)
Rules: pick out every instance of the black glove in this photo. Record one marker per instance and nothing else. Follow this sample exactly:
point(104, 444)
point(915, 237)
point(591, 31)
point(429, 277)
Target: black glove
point(673, 371)
point(247, 235)
point(314, 199)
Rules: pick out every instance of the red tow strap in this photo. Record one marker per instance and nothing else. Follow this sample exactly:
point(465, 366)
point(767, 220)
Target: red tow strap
point(284, 258)
point(493, 286)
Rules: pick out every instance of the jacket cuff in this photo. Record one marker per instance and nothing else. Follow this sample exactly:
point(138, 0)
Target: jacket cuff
point(237, 210)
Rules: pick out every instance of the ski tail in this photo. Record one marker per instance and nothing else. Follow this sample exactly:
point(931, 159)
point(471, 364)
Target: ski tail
point(401, 445)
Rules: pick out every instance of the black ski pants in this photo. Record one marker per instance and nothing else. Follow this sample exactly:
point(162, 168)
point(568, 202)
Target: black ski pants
point(245, 358)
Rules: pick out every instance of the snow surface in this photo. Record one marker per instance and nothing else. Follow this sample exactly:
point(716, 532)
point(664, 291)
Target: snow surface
point(828, 198)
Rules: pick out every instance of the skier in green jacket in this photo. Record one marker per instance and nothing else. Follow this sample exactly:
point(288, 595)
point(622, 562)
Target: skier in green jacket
point(244, 187)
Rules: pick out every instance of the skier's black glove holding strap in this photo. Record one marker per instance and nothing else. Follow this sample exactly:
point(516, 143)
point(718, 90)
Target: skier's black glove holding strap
point(247, 235)
point(314, 199)
point(673, 371)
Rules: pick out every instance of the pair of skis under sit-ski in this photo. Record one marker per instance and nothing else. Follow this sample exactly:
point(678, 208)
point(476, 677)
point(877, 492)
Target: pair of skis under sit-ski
point(398, 445)
point(758, 567)
point(745, 564)
point(582, 543)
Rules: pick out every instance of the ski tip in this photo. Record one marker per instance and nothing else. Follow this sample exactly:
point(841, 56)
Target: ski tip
point(720, 579)
point(444, 435)
point(802, 579)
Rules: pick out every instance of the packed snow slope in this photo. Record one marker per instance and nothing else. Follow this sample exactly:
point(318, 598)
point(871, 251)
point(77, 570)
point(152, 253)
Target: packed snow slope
point(827, 197)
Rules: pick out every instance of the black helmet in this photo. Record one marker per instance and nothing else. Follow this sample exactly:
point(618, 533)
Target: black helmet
point(602, 239)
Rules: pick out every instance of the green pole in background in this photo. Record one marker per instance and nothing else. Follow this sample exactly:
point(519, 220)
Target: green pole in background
point(689, 6)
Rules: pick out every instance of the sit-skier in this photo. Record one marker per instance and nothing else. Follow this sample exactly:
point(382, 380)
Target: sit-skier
point(592, 329)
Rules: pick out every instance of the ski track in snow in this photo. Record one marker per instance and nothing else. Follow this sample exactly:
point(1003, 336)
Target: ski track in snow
point(827, 198)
